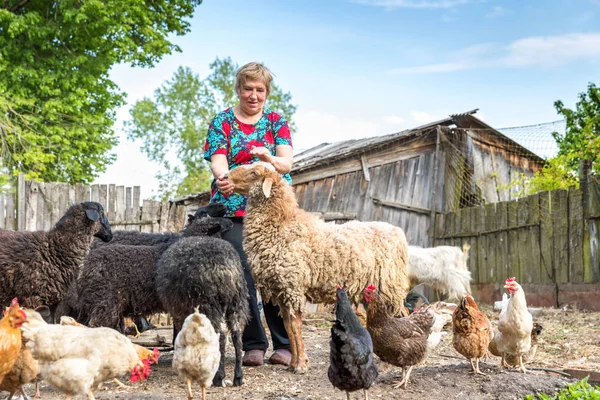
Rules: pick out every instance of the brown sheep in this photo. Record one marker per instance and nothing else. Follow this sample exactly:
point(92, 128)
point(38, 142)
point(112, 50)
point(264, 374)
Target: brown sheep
point(296, 256)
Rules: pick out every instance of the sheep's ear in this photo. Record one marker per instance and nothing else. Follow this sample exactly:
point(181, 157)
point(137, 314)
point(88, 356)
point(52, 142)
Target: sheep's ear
point(44, 311)
point(191, 217)
point(92, 215)
point(266, 187)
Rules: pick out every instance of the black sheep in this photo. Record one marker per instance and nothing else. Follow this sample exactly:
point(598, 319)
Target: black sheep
point(38, 267)
point(206, 273)
point(118, 280)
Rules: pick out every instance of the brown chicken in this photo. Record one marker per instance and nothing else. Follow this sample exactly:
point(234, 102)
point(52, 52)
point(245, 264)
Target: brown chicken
point(25, 370)
point(10, 337)
point(398, 341)
point(472, 331)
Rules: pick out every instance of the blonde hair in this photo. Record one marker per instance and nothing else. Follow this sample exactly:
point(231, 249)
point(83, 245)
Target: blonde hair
point(253, 71)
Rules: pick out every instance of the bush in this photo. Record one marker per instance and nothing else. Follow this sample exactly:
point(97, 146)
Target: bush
point(581, 390)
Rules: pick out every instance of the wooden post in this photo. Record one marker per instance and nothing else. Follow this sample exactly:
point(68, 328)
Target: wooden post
point(436, 159)
point(20, 203)
point(585, 171)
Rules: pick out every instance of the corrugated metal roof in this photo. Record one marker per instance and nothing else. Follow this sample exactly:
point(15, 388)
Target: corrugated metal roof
point(331, 151)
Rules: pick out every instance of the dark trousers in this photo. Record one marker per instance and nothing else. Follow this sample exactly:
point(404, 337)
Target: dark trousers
point(254, 337)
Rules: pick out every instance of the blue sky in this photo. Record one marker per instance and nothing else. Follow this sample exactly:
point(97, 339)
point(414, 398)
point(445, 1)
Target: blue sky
point(360, 68)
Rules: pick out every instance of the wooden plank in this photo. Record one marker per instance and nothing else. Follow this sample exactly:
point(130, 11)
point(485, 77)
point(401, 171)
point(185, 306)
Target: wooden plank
point(502, 259)
point(491, 266)
point(11, 222)
point(546, 239)
point(534, 238)
point(576, 224)
point(53, 206)
point(95, 193)
point(164, 217)
point(560, 211)
point(40, 210)
point(365, 168)
point(150, 213)
point(593, 271)
point(103, 196)
point(21, 204)
point(513, 241)
point(71, 195)
point(82, 193)
point(120, 204)
point(481, 244)
point(135, 202)
point(2, 211)
point(64, 190)
point(111, 211)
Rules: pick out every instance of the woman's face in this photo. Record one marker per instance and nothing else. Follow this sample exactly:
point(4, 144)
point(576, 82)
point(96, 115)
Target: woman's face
point(252, 97)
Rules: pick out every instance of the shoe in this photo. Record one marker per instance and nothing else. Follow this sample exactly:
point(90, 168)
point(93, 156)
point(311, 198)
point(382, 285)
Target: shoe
point(253, 358)
point(281, 356)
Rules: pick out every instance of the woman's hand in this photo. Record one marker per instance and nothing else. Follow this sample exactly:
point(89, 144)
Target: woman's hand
point(224, 185)
point(262, 153)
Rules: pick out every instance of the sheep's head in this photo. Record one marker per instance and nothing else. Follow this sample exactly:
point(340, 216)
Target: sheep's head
point(259, 176)
point(87, 216)
point(208, 226)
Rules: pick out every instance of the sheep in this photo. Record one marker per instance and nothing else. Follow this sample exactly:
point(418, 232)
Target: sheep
point(443, 268)
point(38, 267)
point(207, 273)
point(118, 280)
point(136, 238)
point(296, 256)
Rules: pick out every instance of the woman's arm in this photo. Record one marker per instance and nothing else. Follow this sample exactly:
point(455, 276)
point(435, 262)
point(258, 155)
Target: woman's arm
point(219, 167)
point(282, 161)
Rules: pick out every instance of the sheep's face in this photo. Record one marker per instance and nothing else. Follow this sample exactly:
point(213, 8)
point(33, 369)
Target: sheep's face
point(89, 217)
point(208, 226)
point(95, 213)
point(210, 210)
point(245, 177)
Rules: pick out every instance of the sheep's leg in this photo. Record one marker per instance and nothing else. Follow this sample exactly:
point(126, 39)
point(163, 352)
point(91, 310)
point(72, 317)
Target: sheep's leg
point(238, 373)
point(302, 360)
point(287, 322)
point(366, 394)
point(220, 375)
point(347, 396)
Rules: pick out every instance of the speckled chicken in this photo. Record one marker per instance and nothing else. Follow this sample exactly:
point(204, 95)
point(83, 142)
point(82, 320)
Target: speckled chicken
point(351, 365)
point(197, 356)
point(472, 331)
point(398, 341)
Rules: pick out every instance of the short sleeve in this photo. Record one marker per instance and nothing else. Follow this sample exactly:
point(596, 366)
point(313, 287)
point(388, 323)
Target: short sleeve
point(217, 137)
point(281, 129)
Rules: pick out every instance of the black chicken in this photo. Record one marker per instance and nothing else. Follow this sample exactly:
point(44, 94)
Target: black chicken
point(351, 366)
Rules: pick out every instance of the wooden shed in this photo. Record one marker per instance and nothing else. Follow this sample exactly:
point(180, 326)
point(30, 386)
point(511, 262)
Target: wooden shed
point(406, 177)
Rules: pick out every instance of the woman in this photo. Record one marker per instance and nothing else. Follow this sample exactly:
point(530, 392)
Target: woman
point(242, 135)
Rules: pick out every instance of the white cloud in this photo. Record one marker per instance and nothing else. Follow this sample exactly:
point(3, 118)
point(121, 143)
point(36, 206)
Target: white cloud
point(545, 51)
point(315, 127)
point(498, 12)
point(421, 117)
point(393, 120)
point(413, 3)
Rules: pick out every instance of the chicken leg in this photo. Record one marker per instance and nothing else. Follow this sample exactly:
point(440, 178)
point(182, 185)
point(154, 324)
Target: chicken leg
point(190, 394)
point(203, 393)
point(476, 367)
point(398, 384)
point(521, 365)
point(366, 394)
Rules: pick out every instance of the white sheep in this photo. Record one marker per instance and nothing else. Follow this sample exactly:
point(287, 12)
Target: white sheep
point(443, 268)
point(296, 256)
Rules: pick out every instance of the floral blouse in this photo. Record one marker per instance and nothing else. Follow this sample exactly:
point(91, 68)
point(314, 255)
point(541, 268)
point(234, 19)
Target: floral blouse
point(229, 136)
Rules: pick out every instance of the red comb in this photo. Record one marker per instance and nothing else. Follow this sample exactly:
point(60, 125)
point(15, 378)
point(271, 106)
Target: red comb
point(371, 287)
point(14, 302)
point(339, 287)
point(510, 279)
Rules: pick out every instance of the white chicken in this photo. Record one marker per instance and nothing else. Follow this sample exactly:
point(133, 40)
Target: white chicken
point(196, 356)
point(76, 360)
point(514, 325)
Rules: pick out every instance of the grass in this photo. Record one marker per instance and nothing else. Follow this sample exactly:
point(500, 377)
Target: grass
point(581, 390)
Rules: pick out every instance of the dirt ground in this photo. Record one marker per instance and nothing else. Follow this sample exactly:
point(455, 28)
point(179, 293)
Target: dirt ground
point(570, 339)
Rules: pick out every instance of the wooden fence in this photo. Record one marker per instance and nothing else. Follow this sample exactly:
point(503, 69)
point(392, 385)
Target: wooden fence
point(548, 241)
point(39, 205)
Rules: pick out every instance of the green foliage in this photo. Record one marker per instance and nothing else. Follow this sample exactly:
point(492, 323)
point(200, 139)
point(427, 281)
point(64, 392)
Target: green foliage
point(56, 100)
point(581, 141)
point(174, 124)
point(581, 390)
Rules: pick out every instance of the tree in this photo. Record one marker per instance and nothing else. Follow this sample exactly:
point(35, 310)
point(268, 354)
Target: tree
point(173, 125)
point(57, 103)
point(581, 141)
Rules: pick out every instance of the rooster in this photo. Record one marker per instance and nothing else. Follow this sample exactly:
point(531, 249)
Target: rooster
point(398, 341)
point(351, 365)
point(515, 324)
point(10, 337)
point(472, 331)
point(77, 360)
point(197, 356)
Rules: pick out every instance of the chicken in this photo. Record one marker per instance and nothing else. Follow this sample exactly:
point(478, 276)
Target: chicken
point(472, 331)
point(143, 353)
point(10, 337)
point(197, 355)
point(25, 370)
point(77, 360)
point(514, 326)
point(398, 341)
point(514, 361)
point(351, 365)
